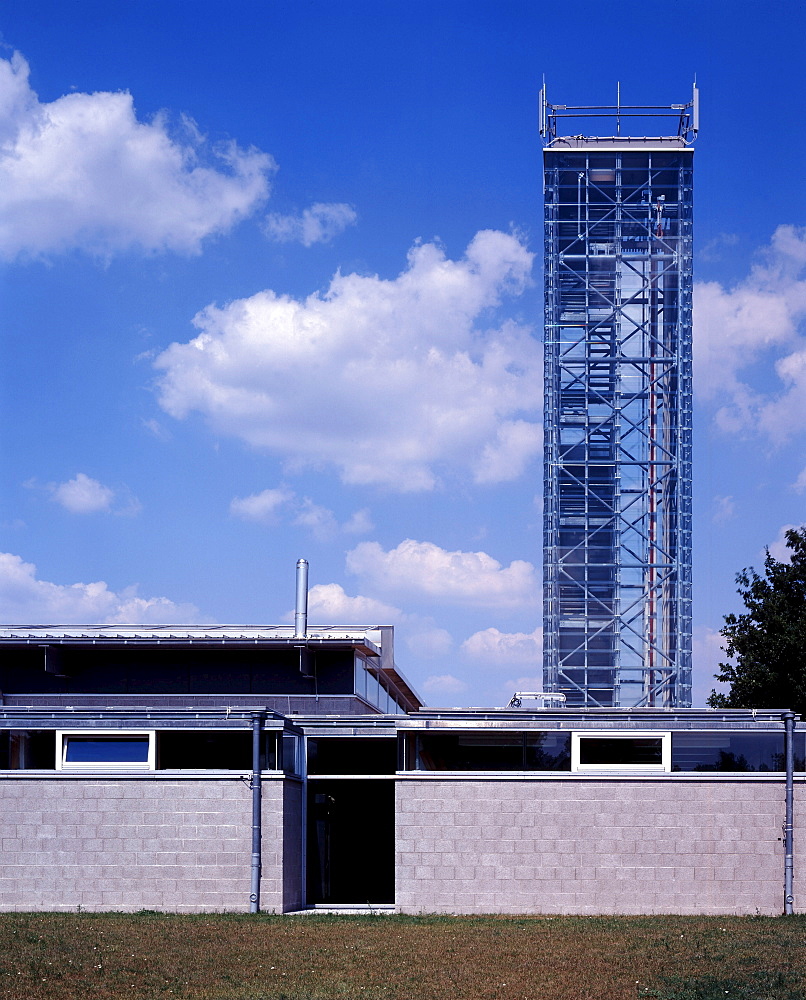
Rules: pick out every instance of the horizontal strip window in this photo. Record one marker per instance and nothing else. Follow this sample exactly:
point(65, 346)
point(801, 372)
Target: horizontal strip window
point(352, 755)
point(211, 749)
point(734, 751)
point(489, 751)
point(122, 749)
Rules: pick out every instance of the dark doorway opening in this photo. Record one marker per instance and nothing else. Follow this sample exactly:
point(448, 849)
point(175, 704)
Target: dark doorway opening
point(351, 842)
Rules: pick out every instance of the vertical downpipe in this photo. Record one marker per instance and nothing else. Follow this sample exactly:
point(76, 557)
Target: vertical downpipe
point(789, 749)
point(301, 612)
point(254, 894)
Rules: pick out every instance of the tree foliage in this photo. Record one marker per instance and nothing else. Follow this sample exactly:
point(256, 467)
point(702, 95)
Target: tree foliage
point(767, 644)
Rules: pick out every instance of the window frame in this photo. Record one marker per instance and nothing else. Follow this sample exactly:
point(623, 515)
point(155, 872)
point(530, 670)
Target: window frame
point(62, 741)
point(665, 736)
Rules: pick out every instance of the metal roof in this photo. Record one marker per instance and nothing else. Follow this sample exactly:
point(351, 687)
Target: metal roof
point(365, 639)
point(594, 718)
point(231, 635)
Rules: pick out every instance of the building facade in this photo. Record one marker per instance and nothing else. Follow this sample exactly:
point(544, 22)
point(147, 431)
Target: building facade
point(234, 769)
point(617, 487)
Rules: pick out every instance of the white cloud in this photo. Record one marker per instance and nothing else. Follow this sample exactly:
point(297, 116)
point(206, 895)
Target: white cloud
point(360, 523)
point(706, 655)
point(261, 507)
point(799, 486)
point(268, 506)
point(329, 604)
point(778, 548)
point(724, 509)
point(83, 171)
point(427, 640)
point(517, 442)
point(426, 570)
point(320, 521)
point(502, 649)
point(393, 382)
point(318, 224)
point(24, 599)
point(744, 331)
point(533, 684)
point(712, 250)
point(83, 495)
point(444, 684)
point(156, 428)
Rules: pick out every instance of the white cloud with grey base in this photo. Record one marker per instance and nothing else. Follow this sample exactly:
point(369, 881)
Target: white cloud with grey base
point(423, 569)
point(328, 602)
point(744, 334)
point(25, 599)
point(85, 172)
point(392, 382)
point(498, 648)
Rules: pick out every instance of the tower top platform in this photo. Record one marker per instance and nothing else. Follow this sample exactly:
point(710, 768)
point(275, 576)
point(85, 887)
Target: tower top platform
point(620, 125)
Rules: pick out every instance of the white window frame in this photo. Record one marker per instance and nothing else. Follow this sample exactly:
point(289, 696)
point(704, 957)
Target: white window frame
point(664, 737)
point(63, 735)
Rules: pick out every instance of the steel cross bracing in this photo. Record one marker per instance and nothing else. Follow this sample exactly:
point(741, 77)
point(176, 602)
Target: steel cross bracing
point(617, 614)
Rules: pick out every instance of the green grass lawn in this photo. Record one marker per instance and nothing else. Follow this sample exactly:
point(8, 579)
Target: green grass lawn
point(261, 957)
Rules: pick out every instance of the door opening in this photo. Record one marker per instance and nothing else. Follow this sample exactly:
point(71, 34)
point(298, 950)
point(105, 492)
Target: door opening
point(351, 841)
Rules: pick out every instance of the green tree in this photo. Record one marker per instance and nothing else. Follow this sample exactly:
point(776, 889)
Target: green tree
point(767, 644)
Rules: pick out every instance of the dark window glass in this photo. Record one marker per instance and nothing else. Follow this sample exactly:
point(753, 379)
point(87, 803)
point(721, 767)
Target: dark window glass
point(548, 751)
point(224, 751)
point(290, 754)
point(106, 749)
point(351, 755)
point(501, 751)
point(620, 751)
point(728, 751)
point(31, 749)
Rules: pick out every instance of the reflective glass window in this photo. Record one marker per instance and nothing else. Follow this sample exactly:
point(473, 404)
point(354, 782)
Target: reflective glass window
point(493, 751)
point(291, 754)
point(729, 751)
point(373, 690)
point(360, 678)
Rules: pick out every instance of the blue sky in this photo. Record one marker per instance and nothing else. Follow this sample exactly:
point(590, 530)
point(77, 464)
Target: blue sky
point(270, 287)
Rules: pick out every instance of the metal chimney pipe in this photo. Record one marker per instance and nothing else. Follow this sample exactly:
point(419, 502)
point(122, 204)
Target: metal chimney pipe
point(301, 612)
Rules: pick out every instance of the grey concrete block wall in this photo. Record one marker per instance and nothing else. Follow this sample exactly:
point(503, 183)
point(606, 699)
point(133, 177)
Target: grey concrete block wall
point(116, 843)
point(590, 846)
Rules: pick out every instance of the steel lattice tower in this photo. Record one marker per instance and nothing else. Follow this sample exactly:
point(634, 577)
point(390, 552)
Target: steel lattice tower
point(617, 516)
